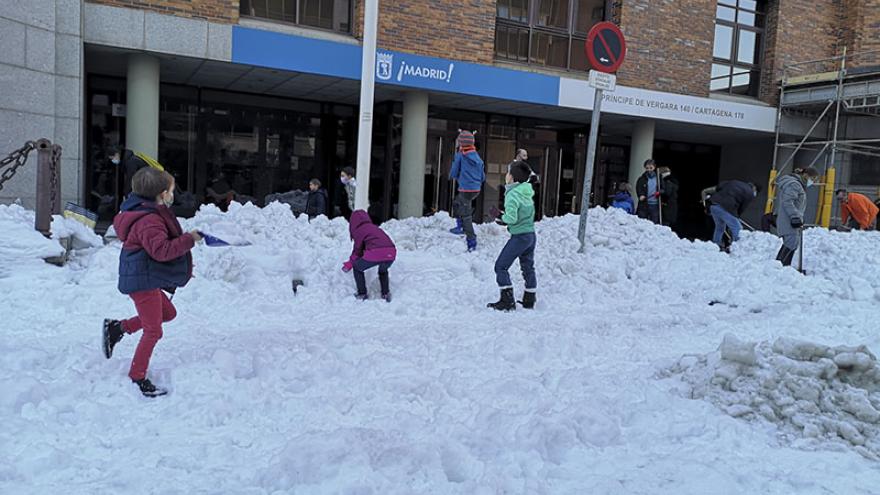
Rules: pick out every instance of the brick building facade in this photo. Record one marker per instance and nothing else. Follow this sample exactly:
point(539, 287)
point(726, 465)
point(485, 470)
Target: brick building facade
point(669, 41)
point(223, 11)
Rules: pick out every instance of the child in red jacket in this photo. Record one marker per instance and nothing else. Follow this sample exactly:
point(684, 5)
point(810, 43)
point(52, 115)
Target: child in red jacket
point(155, 257)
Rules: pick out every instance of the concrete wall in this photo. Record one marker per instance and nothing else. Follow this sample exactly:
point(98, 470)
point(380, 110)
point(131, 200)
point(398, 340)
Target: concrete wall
point(41, 88)
point(749, 161)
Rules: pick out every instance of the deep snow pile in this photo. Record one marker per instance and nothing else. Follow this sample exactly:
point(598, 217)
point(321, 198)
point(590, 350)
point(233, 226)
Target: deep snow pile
point(840, 257)
point(19, 242)
point(317, 393)
point(816, 394)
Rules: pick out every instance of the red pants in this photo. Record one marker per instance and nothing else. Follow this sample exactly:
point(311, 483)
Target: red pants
point(153, 309)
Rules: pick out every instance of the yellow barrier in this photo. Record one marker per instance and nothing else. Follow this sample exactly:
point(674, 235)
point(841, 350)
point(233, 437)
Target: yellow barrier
point(826, 198)
point(771, 192)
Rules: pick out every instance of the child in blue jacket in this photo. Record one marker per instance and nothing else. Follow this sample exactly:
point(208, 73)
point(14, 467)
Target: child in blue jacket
point(468, 170)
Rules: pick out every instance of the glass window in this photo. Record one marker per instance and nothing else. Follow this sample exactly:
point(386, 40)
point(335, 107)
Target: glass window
point(723, 41)
point(587, 13)
point(748, 46)
point(548, 49)
point(548, 33)
point(726, 13)
point(738, 40)
point(553, 13)
point(325, 14)
point(512, 43)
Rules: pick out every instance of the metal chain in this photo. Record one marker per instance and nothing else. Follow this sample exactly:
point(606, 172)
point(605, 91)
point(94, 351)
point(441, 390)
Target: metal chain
point(55, 169)
point(17, 158)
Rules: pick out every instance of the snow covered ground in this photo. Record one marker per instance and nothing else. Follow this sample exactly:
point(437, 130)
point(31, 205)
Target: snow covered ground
point(316, 393)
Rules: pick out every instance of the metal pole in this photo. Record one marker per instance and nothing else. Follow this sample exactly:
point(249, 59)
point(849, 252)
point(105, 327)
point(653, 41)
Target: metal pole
point(365, 124)
point(840, 79)
point(588, 169)
point(45, 187)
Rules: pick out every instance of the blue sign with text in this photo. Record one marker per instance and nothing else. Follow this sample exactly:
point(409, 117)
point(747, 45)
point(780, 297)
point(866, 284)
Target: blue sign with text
point(330, 58)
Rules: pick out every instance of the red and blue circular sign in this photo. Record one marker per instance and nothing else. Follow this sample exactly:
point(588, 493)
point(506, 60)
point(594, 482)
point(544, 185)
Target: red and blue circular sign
point(605, 47)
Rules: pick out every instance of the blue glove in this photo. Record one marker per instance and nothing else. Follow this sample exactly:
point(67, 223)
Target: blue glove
point(212, 241)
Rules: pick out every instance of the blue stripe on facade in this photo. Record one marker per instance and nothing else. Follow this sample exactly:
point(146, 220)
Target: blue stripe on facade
point(312, 56)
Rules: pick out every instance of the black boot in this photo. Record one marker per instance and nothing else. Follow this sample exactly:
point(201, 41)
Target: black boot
point(112, 334)
point(528, 300)
point(148, 389)
point(785, 256)
point(505, 303)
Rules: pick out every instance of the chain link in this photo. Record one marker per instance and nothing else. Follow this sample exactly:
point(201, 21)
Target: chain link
point(17, 158)
point(55, 171)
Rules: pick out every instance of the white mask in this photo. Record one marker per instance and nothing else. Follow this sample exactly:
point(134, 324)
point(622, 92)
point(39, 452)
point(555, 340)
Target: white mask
point(115, 161)
point(810, 182)
point(168, 200)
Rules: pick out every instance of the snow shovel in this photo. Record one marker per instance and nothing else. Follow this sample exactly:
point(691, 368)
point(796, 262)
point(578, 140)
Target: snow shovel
point(217, 242)
point(801, 251)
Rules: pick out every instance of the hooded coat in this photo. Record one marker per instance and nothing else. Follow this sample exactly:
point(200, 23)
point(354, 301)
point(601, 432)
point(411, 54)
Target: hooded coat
point(155, 251)
point(791, 203)
point(370, 242)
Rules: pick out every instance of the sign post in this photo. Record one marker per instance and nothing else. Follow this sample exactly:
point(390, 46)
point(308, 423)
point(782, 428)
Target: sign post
point(365, 122)
point(605, 49)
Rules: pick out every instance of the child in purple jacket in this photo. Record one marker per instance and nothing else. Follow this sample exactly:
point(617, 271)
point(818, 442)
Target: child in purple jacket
point(372, 247)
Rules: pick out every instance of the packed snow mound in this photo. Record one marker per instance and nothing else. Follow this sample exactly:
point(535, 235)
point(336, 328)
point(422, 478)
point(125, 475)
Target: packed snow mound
point(815, 394)
point(19, 242)
point(82, 235)
point(847, 259)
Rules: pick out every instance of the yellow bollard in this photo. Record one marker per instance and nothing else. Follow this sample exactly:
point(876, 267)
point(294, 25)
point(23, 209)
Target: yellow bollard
point(771, 192)
point(826, 198)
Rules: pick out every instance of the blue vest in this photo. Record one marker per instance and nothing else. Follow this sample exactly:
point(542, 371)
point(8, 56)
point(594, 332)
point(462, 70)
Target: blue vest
point(137, 270)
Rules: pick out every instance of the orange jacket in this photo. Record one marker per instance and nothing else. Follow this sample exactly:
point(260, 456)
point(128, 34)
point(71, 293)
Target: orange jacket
point(861, 208)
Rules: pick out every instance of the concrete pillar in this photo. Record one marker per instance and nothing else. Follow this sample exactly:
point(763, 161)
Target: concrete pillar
point(142, 105)
point(642, 148)
point(412, 155)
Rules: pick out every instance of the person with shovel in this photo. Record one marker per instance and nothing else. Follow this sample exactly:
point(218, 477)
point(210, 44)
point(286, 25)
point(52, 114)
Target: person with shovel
point(791, 204)
point(727, 202)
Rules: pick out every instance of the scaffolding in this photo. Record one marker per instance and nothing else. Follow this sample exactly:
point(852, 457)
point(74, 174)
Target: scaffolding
point(827, 92)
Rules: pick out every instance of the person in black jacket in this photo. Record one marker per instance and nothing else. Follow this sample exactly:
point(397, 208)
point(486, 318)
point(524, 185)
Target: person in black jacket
point(648, 191)
point(668, 197)
point(130, 164)
point(316, 204)
point(726, 204)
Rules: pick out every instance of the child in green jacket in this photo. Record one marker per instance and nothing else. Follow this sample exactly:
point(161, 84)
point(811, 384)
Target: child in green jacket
point(519, 217)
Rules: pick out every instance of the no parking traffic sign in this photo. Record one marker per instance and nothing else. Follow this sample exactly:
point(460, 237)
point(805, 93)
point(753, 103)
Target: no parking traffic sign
point(606, 47)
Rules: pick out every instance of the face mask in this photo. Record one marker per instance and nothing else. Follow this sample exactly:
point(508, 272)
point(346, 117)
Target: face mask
point(651, 174)
point(810, 182)
point(508, 187)
point(169, 200)
point(343, 180)
point(115, 161)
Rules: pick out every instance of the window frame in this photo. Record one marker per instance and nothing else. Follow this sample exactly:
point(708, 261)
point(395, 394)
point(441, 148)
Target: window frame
point(296, 15)
point(734, 66)
point(574, 38)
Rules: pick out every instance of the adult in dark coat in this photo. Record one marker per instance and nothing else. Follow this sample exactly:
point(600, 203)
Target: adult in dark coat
point(648, 192)
point(129, 163)
point(726, 205)
point(668, 197)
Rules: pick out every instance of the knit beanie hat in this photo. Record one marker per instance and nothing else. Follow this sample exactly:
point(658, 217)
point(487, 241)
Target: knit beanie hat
point(520, 171)
point(465, 139)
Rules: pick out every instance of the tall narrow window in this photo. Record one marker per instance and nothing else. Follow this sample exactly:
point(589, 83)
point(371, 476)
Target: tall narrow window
point(548, 33)
point(736, 56)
